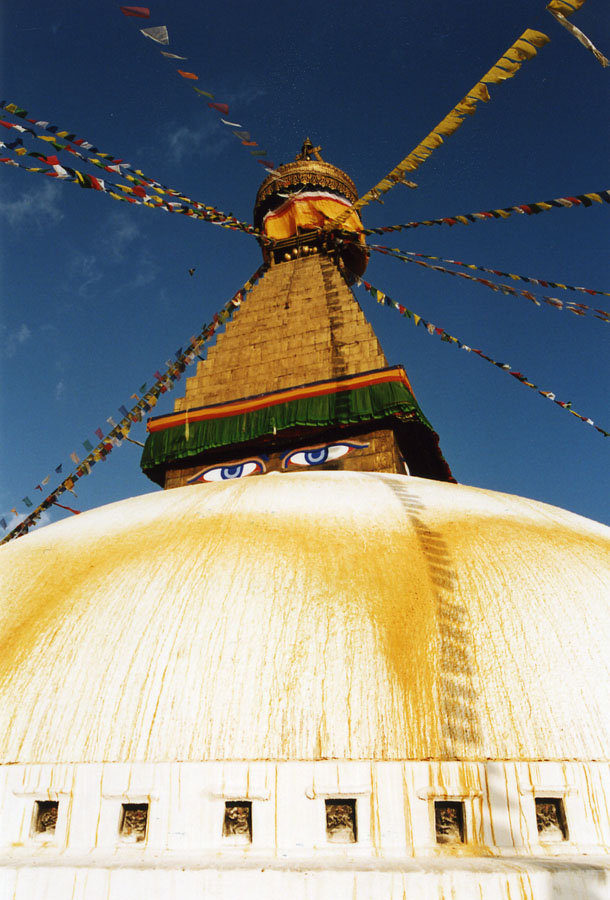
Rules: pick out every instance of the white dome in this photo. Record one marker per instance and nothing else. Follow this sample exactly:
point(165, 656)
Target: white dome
point(308, 616)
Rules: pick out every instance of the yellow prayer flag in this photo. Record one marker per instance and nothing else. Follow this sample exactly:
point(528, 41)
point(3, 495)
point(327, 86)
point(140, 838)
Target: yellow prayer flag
point(537, 38)
point(523, 48)
point(480, 91)
point(595, 197)
point(466, 107)
point(496, 75)
point(511, 65)
point(566, 7)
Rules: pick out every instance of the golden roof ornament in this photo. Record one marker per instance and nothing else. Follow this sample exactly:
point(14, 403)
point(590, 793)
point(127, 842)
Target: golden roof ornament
point(310, 169)
point(308, 149)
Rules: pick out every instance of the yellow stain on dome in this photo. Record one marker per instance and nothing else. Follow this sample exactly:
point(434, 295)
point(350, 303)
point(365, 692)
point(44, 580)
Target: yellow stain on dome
point(308, 616)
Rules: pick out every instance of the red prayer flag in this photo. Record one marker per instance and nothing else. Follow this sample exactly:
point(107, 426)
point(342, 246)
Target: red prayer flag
point(140, 12)
point(189, 75)
point(221, 107)
point(69, 508)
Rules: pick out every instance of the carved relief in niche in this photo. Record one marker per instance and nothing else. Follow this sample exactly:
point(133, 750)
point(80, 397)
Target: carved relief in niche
point(238, 820)
point(449, 821)
point(134, 819)
point(45, 817)
point(341, 821)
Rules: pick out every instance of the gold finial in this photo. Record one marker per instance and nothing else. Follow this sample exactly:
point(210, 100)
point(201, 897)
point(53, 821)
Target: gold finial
point(307, 150)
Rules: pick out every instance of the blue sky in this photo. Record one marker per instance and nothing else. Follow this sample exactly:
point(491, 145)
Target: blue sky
point(96, 294)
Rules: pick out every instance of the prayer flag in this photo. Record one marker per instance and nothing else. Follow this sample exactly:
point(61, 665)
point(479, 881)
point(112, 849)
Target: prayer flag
point(99, 433)
point(14, 511)
point(69, 508)
point(158, 34)
point(46, 480)
point(231, 124)
point(140, 12)
point(188, 75)
point(123, 409)
point(3, 523)
point(88, 445)
point(75, 459)
point(111, 421)
point(579, 35)
point(567, 7)
point(27, 501)
point(58, 468)
point(220, 107)
point(205, 93)
point(172, 55)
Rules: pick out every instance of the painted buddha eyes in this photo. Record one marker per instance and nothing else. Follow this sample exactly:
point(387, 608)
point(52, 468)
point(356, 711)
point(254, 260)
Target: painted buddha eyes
point(226, 473)
point(303, 457)
point(316, 456)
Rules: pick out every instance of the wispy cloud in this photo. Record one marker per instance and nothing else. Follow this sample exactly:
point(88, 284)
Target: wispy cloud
point(13, 520)
point(13, 340)
point(247, 94)
point(85, 270)
point(208, 139)
point(120, 232)
point(60, 389)
point(34, 207)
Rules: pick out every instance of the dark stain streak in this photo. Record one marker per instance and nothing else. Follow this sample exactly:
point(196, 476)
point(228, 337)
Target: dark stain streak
point(458, 701)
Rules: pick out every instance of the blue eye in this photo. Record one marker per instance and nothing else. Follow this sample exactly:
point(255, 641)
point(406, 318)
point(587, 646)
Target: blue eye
point(232, 471)
point(316, 456)
point(226, 473)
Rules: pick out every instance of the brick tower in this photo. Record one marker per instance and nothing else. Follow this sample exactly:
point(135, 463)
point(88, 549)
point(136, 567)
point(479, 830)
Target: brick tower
point(299, 366)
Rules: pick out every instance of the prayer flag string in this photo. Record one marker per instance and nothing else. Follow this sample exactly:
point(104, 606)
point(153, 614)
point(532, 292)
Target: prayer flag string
point(119, 431)
point(559, 9)
point(382, 298)
point(529, 279)
point(112, 164)
point(524, 48)
point(579, 309)
point(135, 195)
point(528, 209)
point(159, 34)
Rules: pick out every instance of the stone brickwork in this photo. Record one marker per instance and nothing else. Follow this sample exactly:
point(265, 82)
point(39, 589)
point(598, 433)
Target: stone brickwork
point(382, 455)
point(299, 324)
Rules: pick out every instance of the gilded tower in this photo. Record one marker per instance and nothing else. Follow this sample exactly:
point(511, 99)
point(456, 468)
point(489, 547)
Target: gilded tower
point(299, 364)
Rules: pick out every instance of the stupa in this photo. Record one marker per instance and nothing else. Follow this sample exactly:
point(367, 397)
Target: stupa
point(313, 666)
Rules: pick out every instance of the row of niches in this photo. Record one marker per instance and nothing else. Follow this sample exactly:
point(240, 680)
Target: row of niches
point(341, 821)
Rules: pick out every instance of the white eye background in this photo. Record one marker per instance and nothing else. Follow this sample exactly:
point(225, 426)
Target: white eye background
point(231, 472)
point(303, 457)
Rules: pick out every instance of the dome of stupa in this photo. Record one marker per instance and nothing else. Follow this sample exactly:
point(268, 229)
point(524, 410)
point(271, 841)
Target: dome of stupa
point(309, 616)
